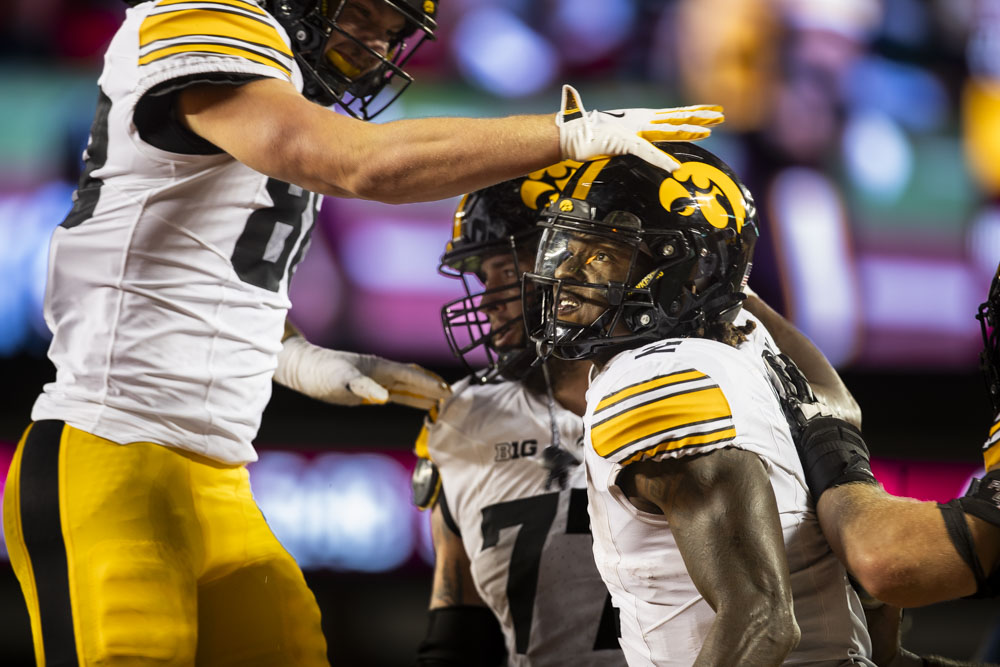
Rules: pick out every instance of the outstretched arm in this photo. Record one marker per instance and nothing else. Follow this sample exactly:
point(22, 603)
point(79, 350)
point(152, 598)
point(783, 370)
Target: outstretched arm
point(899, 549)
point(724, 517)
point(270, 127)
point(902, 551)
point(267, 125)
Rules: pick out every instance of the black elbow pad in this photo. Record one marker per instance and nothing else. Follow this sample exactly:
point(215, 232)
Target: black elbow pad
point(833, 453)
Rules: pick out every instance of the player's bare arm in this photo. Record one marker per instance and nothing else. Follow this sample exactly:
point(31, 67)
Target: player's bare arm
point(271, 128)
point(461, 631)
point(724, 516)
point(453, 585)
point(903, 551)
point(909, 561)
point(826, 382)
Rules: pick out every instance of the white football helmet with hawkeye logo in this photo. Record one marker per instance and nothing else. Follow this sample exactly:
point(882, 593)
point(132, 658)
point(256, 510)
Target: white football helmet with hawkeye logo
point(632, 254)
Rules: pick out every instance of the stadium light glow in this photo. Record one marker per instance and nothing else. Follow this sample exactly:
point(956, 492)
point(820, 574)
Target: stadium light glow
point(500, 53)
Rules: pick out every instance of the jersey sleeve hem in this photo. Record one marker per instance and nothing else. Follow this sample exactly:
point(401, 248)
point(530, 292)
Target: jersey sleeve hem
point(681, 411)
point(156, 120)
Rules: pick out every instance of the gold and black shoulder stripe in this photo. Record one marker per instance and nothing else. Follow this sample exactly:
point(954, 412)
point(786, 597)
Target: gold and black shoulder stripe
point(991, 450)
point(665, 413)
point(224, 27)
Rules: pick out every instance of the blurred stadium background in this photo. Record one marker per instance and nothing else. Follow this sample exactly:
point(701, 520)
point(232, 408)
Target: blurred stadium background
point(868, 130)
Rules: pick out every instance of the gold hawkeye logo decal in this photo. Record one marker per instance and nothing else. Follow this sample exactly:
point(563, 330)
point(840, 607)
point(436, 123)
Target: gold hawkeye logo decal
point(714, 193)
point(543, 186)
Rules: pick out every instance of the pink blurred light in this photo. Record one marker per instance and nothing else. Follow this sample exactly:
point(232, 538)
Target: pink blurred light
point(938, 481)
point(924, 480)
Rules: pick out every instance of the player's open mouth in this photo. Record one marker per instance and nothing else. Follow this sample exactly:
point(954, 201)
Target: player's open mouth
point(568, 303)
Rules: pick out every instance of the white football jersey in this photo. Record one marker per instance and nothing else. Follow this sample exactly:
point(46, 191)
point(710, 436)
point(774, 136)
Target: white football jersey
point(530, 547)
point(168, 281)
point(685, 396)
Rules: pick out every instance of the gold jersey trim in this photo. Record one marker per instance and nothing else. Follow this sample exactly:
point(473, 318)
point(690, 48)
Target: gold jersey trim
point(221, 49)
point(239, 4)
point(699, 440)
point(647, 386)
point(213, 30)
point(658, 417)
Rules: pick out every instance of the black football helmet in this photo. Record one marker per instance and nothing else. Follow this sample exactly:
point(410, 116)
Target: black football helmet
point(329, 79)
point(494, 220)
point(989, 358)
point(671, 252)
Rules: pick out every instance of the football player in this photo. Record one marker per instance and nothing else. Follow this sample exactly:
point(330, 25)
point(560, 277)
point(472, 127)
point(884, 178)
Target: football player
point(511, 535)
point(129, 517)
point(903, 551)
point(703, 530)
point(475, 456)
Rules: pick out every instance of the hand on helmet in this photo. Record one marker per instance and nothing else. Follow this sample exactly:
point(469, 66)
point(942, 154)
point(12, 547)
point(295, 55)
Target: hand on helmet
point(584, 135)
point(346, 378)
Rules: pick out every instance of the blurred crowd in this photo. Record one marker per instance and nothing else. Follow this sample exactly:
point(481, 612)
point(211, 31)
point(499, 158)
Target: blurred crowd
point(865, 128)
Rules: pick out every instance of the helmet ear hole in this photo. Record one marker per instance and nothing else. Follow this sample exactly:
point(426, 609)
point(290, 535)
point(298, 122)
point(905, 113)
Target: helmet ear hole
point(640, 319)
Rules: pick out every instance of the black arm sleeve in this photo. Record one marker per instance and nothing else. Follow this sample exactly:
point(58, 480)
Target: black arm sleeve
point(156, 118)
point(462, 636)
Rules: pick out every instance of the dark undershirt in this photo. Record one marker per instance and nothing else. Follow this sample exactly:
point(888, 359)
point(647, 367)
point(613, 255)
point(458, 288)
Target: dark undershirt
point(159, 124)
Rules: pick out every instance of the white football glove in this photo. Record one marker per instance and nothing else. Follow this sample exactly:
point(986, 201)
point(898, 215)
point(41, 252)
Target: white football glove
point(346, 378)
point(585, 135)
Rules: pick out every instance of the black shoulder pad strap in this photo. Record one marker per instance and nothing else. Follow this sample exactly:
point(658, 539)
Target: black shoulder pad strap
point(961, 538)
point(982, 500)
